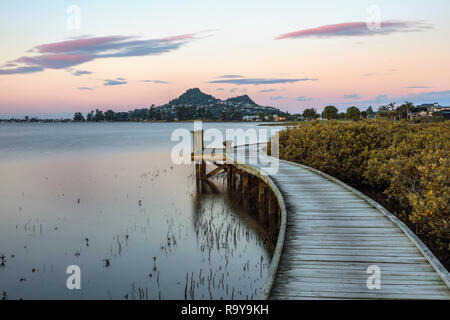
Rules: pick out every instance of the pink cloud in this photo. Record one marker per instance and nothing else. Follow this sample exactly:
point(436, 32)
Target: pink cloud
point(187, 36)
point(77, 44)
point(56, 61)
point(357, 29)
point(69, 53)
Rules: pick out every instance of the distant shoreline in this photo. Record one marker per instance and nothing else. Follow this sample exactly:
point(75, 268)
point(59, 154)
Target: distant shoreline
point(144, 121)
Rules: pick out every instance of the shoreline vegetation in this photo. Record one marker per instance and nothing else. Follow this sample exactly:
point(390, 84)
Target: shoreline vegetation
point(191, 105)
point(403, 166)
point(196, 105)
point(274, 119)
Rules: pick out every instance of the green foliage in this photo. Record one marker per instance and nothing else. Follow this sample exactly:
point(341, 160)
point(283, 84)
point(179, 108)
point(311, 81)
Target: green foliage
point(342, 116)
point(436, 117)
point(99, 116)
point(391, 112)
point(353, 113)
point(90, 116)
point(192, 105)
point(245, 99)
point(109, 115)
point(330, 113)
point(77, 117)
point(407, 163)
point(310, 114)
point(193, 96)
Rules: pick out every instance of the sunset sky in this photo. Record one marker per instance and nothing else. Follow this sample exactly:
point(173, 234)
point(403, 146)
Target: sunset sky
point(289, 54)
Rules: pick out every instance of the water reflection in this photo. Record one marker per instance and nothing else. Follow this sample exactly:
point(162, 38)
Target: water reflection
point(137, 226)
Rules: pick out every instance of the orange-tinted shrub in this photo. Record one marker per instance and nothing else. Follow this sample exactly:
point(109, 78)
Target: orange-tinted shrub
point(408, 163)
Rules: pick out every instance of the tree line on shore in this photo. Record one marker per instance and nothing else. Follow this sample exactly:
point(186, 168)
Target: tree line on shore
point(353, 113)
point(332, 113)
point(156, 114)
point(185, 113)
point(386, 112)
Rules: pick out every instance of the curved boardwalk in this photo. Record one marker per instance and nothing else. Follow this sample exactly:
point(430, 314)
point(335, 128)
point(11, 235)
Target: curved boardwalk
point(333, 234)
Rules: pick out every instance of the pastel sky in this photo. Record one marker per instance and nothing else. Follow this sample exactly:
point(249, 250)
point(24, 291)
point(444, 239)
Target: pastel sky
point(289, 54)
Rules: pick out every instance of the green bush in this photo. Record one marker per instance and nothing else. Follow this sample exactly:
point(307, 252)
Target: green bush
point(407, 163)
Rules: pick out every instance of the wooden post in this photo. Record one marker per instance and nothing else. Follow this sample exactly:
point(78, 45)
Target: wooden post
point(202, 169)
point(249, 194)
point(279, 217)
point(197, 172)
point(261, 200)
point(197, 154)
point(272, 218)
point(229, 172)
point(233, 178)
point(245, 186)
point(239, 184)
point(254, 184)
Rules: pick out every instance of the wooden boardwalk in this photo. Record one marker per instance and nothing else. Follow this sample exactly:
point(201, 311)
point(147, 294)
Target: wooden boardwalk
point(330, 234)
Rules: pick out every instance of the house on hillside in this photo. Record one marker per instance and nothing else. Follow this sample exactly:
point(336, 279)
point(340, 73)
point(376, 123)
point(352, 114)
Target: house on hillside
point(250, 118)
point(428, 109)
point(278, 118)
point(419, 111)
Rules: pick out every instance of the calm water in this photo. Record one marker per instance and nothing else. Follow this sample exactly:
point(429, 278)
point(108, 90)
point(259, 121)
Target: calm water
point(106, 197)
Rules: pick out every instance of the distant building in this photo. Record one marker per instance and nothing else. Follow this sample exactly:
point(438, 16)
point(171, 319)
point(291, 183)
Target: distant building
point(250, 118)
point(445, 111)
point(419, 111)
point(428, 109)
point(277, 118)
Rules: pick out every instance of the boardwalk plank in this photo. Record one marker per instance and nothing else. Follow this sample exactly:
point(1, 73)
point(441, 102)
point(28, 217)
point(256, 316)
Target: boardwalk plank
point(333, 235)
point(343, 276)
point(358, 252)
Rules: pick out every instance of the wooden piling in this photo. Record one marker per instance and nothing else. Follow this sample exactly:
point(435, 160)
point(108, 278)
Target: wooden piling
point(244, 186)
point(229, 173)
point(261, 200)
point(202, 169)
point(272, 207)
point(197, 172)
point(233, 178)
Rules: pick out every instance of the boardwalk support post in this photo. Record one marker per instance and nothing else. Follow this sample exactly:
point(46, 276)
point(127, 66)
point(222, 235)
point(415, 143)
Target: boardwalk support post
point(200, 155)
point(261, 200)
point(202, 169)
point(272, 207)
point(233, 178)
point(244, 185)
point(197, 172)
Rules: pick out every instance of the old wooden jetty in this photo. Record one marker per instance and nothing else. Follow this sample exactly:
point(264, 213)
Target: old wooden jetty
point(333, 242)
